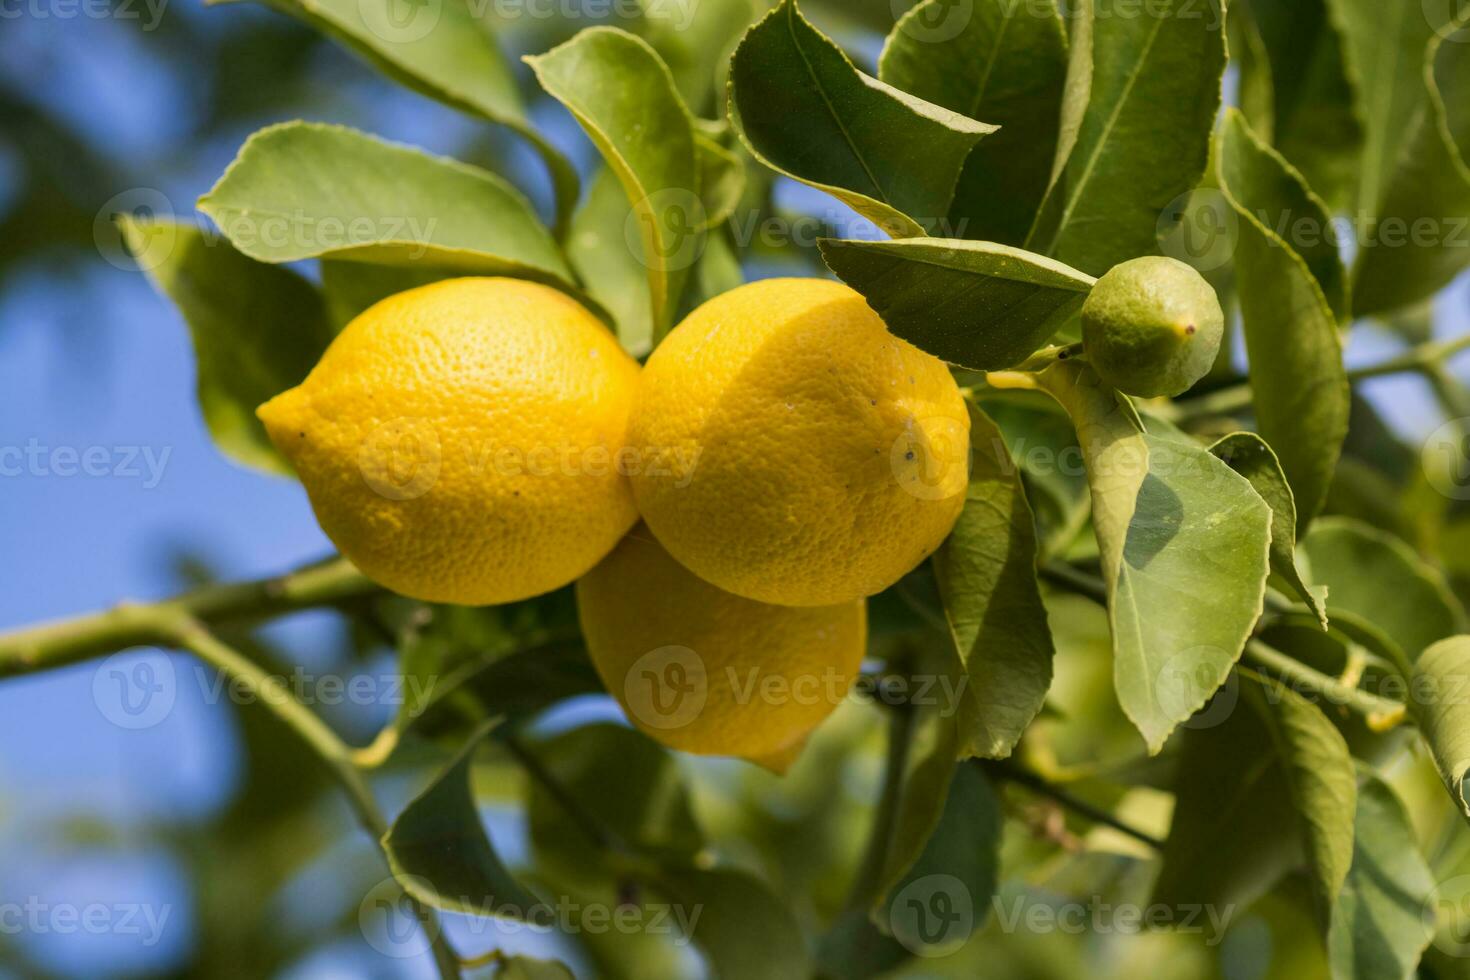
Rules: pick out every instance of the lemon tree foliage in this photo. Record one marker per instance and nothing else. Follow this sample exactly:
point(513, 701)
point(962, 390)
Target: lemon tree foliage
point(1012, 587)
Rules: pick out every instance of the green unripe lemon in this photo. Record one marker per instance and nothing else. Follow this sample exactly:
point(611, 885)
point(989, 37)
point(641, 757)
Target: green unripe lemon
point(1152, 326)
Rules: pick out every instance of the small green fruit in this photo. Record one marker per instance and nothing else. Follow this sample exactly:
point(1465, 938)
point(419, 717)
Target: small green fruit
point(1152, 326)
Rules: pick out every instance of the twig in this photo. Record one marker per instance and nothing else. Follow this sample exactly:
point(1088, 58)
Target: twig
point(68, 641)
point(1011, 773)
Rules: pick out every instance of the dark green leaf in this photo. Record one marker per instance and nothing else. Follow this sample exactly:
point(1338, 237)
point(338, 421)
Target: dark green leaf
point(1003, 61)
point(1268, 787)
point(633, 786)
point(257, 330)
point(1313, 115)
point(986, 572)
point(947, 893)
point(977, 304)
point(1184, 543)
point(1379, 925)
point(624, 97)
point(1145, 137)
point(1248, 454)
point(302, 190)
point(445, 50)
point(1440, 702)
point(805, 111)
point(440, 854)
point(743, 929)
point(1291, 329)
point(1420, 240)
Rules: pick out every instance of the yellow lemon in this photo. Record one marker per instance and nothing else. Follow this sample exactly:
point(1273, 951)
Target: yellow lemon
point(461, 442)
point(797, 452)
point(704, 671)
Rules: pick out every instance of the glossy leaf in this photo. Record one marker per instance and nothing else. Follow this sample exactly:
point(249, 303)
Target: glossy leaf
point(257, 330)
point(1291, 329)
point(976, 304)
point(986, 572)
point(302, 190)
point(1184, 544)
point(1145, 137)
point(1440, 702)
point(1421, 238)
point(624, 97)
point(1248, 454)
point(804, 111)
point(445, 50)
point(1379, 924)
point(1380, 579)
point(1267, 787)
point(1002, 61)
point(440, 854)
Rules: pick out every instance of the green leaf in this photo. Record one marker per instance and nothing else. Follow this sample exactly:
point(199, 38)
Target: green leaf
point(1041, 439)
point(612, 267)
point(1379, 926)
point(1268, 787)
point(976, 304)
point(1291, 329)
point(1184, 543)
point(744, 930)
point(952, 883)
point(257, 330)
point(438, 850)
point(303, 190)
point(1314, 116)
point(624, 97)
point(1428, 188)
point(1003, 61)
point(633, 786)
point(695, 41)
point(1248, 454)
point(445, 50)
point(1145, 137)
point(1379, 578)
point(1440, 703)
point(351, 287)
point(804, 111)
point(1383, 48)
point(986, 572)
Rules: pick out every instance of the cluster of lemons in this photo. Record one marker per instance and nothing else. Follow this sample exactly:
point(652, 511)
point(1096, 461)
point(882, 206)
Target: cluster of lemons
point(725, 509)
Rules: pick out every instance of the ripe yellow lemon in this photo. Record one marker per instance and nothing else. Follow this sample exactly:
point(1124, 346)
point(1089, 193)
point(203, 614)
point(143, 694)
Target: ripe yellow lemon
point(704, 671)
point(460, 442)
point(798, 452)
